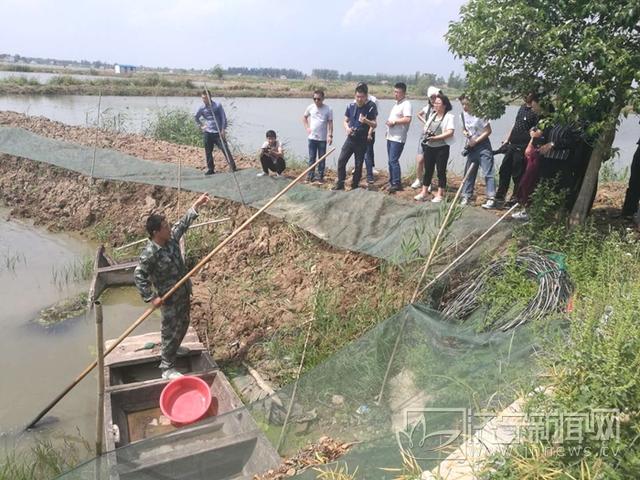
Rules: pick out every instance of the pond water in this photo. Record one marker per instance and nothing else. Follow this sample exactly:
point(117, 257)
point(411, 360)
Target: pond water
point(44, 77)
point(39, 362)
point(251, 117)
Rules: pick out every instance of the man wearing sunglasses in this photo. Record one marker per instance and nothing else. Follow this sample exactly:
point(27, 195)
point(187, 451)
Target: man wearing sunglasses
point(318, 121)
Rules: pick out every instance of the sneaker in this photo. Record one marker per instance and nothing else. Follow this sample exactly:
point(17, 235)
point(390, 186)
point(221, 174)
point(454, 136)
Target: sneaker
point(170, 374)
point(393, 189)
point(510, 203)
point(319, 181)
point(337, 187)
point(183, 351)
point(370, 182)
point(430, 188)
point(464, 201)
point(375, 171)
point(209, 172)
point(279, 175)
point(354, 187)
point(261, 174)
point(522, 215)
point(489, 204)
point(420, 197)
point(436, 199)
point(416, 184)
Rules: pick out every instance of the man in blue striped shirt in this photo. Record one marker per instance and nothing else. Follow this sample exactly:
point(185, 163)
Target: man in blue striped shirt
point(213, 132)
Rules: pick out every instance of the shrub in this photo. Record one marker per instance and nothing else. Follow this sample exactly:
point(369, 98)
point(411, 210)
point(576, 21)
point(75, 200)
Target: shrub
point(176, 126)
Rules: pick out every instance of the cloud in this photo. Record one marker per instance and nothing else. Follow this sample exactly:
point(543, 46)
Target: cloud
point(360, 11)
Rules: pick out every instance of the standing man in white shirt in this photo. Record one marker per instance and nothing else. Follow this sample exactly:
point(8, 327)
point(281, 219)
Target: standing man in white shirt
point(397, 129)
point(318, 121)
point(479, 154)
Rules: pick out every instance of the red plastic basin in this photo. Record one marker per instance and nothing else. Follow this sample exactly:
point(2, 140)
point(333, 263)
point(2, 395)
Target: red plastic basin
point(185, 400)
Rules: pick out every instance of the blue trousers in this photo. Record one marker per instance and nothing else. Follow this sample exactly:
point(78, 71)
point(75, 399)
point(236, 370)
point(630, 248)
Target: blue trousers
point(394, 150)
point(482, 157)
point(317, 148)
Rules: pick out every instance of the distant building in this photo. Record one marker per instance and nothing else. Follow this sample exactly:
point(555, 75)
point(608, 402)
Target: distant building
point(124, 68)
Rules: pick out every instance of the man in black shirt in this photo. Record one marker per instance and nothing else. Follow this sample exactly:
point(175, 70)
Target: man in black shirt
point(359, 122)
point(632, 196)
point(513, 165)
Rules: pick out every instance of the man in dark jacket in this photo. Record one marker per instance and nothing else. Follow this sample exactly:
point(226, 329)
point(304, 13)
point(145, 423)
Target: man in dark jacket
point(513, 165)
point(630, 206)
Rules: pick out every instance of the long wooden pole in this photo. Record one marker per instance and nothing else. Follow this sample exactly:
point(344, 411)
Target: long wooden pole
point(95, 143)
point(436, 242)
point(427, 264)
point(208, 222)
point(181, 282)
point(100, 360)
point(463, 254)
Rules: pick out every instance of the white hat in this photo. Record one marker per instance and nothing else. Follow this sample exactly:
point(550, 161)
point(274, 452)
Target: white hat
point(432, 91)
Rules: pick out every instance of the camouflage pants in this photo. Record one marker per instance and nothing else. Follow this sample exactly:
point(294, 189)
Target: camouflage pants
point(175, 323)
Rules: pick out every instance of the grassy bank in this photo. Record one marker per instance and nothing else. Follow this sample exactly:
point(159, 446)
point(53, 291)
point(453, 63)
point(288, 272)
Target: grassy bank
point(42, 461)
point(190, 85)
point(594, 365)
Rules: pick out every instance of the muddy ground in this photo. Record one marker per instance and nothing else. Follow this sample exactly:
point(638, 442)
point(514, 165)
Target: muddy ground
point(261, 284)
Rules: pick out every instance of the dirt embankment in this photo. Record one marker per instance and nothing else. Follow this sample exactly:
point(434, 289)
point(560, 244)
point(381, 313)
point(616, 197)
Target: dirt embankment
point(262, 283)
point(609, 198)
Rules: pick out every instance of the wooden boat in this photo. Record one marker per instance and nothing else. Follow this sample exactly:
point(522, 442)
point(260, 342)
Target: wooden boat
point(109, 273)
point(142, 443)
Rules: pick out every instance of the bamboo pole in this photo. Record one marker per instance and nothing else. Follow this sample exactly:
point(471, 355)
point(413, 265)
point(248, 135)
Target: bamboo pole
point(427, 264)
point(298, 373)
point(202, 224)
point(95, 143)
point(100, 360)
point(463, 254)
point(181, 282)
point(436, 242)
point(182, 242)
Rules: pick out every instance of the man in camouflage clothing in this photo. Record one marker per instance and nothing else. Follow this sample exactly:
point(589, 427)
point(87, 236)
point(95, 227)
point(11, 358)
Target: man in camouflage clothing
point(160, 267)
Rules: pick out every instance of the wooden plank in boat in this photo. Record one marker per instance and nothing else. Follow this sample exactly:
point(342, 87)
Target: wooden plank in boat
point(131, 349)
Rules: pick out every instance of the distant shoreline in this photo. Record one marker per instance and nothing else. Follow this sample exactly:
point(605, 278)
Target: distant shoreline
point(70, 82)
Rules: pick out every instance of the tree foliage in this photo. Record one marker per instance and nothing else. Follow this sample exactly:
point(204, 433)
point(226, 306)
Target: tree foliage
point(584, 53)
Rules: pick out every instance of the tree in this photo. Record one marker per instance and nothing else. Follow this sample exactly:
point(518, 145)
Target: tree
point(584, 53)
point(218, 71)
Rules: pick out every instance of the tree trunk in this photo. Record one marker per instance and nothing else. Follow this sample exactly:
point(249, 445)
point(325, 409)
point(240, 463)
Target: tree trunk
point(589, 183)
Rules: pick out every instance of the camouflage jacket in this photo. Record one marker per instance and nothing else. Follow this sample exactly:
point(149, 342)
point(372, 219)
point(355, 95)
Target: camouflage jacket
point(160, 268)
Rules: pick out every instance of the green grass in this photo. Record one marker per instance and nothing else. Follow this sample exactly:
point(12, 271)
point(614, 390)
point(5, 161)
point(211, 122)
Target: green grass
point(333, 326)
point(43, 461)
point(595, 363)
point(509, 292)
point(9, 260)
point(75, 271)
point(176, 126)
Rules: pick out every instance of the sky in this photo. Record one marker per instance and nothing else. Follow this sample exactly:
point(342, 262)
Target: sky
point(360, 36)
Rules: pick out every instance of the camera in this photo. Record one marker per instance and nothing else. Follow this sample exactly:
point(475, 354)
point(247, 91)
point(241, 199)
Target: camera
point(426, 136)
